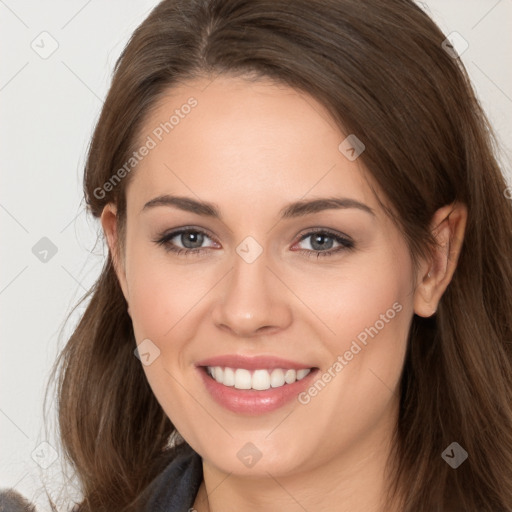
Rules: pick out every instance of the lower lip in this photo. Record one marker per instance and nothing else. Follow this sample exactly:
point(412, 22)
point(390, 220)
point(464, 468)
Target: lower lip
point(252, 401)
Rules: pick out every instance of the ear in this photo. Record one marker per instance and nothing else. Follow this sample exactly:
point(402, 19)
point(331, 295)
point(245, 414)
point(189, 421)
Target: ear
point(110, 228)
point(448, 226)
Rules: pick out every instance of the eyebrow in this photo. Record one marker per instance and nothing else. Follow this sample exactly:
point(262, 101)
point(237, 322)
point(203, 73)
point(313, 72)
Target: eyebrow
point(292, 210)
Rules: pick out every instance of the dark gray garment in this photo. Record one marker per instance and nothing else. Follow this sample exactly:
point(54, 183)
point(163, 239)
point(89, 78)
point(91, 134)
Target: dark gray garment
point(173, 490)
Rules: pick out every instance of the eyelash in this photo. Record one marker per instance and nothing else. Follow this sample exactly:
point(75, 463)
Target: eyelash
point(345, 243)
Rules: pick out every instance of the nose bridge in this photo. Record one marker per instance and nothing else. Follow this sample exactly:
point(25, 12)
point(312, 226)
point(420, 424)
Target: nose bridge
point(252, 298)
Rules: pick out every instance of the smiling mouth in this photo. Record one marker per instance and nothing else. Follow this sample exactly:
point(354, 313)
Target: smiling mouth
point(259, 379)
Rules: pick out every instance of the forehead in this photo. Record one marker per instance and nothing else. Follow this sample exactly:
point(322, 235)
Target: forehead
point(245, 138)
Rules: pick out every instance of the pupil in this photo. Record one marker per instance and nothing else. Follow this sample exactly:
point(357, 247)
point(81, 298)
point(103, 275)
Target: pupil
point(195, 239)
point(317, 240)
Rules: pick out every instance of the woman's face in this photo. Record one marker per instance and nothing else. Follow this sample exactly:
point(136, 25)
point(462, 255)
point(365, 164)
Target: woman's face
point(269, 285)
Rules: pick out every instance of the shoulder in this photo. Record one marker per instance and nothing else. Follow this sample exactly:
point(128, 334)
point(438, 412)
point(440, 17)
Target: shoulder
point(176, 487)
point(12, 501)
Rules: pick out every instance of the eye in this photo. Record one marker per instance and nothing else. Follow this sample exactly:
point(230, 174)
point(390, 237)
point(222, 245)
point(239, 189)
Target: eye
point(189, 241)
point(322, 241)
point(184, 241)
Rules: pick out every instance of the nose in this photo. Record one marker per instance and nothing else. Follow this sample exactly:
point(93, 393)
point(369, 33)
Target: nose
point(252, 300)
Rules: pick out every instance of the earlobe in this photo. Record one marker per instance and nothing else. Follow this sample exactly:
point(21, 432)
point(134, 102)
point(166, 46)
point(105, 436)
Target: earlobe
point(109, 224)
point(448, 227)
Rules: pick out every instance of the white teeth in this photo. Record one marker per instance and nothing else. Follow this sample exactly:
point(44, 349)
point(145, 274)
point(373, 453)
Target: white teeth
point(218, 374)
point(302, 373)
point(242, 379)
point(260, 380)
point(229, 377)
point(290, 376)
point(277, 378)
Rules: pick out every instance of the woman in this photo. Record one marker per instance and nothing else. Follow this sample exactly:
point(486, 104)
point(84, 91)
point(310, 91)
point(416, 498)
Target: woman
point(224, 362)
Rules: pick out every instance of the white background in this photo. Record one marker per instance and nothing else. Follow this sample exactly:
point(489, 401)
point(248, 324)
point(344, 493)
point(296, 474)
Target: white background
point(48, 108)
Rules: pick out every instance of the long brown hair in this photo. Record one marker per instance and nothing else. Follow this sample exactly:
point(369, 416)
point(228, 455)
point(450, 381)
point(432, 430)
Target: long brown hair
point(381, 70)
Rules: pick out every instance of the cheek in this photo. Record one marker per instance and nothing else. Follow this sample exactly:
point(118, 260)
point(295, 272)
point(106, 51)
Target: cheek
point(373, 306)
point(370, 319)
point(377, 326)
point(165, 299)
point(368, 295)
point(163, 305)
point(367, 309)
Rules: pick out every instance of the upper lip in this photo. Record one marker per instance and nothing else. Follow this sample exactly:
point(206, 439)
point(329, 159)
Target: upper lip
point(252, 362)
